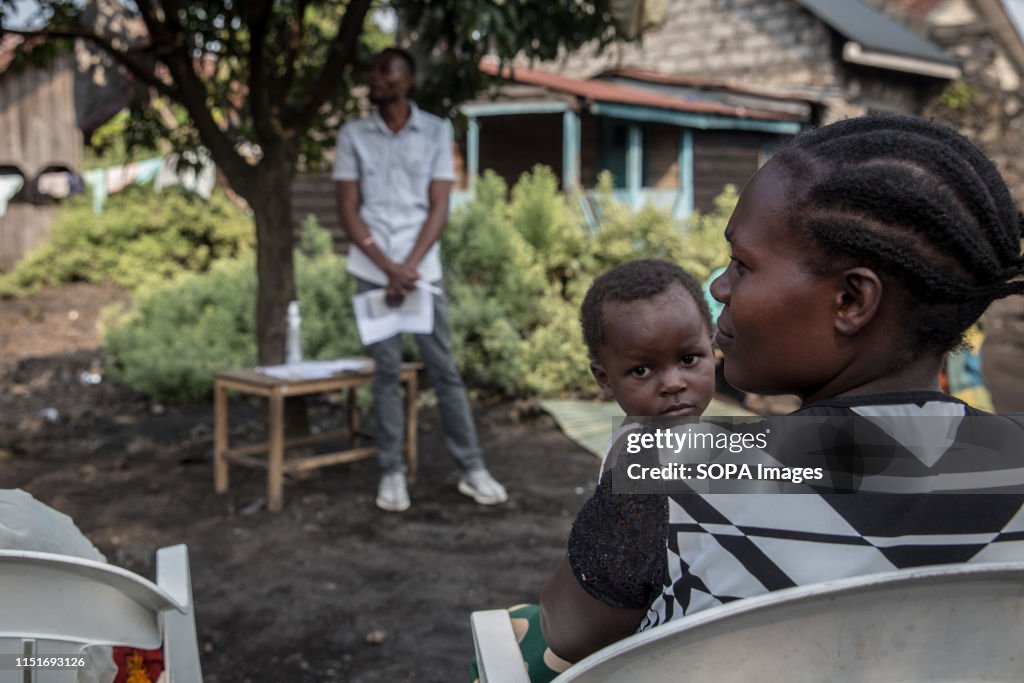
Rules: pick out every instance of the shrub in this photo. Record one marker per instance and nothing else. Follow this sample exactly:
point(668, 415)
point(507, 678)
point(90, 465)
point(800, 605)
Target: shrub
point(555, 357)
point(550, 225)
point(497, 289)
point(181, 331)
point(518, 270)
point(705, 248)
point(142, 236)
point(959, 96)
point(625, 234)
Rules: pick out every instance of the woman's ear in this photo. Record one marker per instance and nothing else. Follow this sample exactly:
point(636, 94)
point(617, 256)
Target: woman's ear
point(598, 371)
point(858, 299)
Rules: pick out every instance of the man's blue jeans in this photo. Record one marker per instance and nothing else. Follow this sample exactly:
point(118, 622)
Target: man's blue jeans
point(389, 410)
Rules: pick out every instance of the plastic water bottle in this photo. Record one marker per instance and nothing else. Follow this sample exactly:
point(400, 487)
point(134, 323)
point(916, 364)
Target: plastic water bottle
point(293, 342)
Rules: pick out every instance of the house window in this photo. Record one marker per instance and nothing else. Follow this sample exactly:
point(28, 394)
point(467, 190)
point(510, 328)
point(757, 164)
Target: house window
point(615, 149)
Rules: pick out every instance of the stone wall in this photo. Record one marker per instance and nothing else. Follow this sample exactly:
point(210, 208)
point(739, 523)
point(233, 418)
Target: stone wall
point(987, 110)
point(743, 42)
point(773, 43)
point(987, 103)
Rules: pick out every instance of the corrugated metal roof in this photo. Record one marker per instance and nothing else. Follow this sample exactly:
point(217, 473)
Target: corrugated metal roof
point(649, 76)
point(701, 89)
point(604, 91)
point(875, 31)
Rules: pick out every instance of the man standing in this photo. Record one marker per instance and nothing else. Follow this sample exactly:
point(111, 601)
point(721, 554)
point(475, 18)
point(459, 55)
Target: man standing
point(394, 173)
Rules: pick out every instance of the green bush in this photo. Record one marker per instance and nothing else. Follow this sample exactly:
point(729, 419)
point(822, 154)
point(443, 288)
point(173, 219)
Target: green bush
point(517, 267)
point(550, 225)
point(142, 236)
point(959, 96)
point(518, 270)
point(703, 236)
point(180, 332)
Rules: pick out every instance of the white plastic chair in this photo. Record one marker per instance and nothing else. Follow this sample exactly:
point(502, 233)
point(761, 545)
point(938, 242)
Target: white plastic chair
point(57, 604)
point(944, 623)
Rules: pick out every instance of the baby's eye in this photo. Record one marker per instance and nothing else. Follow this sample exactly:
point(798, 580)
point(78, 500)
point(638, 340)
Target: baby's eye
point(740, 266)
point(688, 360)
point(640, 371)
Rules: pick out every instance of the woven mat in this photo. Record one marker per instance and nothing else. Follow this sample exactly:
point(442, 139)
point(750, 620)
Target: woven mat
point(590, 423)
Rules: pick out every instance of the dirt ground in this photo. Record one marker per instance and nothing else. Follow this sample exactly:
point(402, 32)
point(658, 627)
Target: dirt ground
point(331, 589)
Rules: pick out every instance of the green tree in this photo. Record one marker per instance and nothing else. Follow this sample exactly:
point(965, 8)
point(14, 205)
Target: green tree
point(263, 84)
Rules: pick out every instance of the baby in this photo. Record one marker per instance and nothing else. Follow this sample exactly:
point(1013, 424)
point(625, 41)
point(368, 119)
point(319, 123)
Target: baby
point(648, 331)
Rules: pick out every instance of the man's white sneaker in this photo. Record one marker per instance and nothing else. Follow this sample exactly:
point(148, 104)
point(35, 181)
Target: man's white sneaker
point(392, 494)
point(482, 487)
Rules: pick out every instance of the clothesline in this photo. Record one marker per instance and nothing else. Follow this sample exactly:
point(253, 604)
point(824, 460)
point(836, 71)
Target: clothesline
point(162, 171)
point(10, 185)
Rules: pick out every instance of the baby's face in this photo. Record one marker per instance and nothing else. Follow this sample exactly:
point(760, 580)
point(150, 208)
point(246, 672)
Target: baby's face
point(657, 358)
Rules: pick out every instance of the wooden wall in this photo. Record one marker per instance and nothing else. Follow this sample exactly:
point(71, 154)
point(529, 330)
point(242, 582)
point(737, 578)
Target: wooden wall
point(722, 157)
point(513, 145)
point(590, 145)
point(314, 193)
point(37, 118)
point(23, 228)
point(661, 152)
point(37, 129)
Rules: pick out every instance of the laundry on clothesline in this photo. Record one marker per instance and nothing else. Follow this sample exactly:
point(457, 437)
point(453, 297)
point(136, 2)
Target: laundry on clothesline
point(56, 184)
point(10, 185)
point(193, 171)
point(197, 174)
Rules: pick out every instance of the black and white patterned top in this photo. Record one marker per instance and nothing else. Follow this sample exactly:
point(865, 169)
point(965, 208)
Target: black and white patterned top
point(679, 554)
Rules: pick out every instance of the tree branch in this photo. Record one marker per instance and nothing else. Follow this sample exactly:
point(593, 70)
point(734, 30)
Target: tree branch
point(161, 23)
point(135, 67)
point(342, 54)
point(190, 91)
point(259, 81)
point(295, 41)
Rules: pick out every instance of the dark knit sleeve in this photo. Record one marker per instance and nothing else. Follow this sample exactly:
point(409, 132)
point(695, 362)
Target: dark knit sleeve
point(617, 546)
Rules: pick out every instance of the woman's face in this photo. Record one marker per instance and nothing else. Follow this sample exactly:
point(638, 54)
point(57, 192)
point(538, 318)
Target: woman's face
point(776, 330)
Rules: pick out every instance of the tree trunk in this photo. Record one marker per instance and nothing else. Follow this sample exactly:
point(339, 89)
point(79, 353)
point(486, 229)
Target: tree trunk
point(275, 273)
point(275, 267)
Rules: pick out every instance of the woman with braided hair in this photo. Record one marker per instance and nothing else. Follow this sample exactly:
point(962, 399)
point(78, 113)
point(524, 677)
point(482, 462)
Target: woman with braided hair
point(860, 255)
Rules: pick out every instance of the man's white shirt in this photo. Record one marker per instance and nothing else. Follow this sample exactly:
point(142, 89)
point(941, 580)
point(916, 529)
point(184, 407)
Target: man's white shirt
point(394, 171)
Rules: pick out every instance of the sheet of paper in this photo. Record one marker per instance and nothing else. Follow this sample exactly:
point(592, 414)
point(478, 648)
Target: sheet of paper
point(377, 321)
point(317, 369)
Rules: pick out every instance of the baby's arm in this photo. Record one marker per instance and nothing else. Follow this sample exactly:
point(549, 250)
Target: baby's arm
point(614, 570)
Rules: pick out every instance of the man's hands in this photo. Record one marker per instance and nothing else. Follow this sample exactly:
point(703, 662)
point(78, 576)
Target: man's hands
point(402, 278)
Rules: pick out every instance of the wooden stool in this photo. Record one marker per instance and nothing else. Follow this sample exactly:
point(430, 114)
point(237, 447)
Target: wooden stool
point(276, 390)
